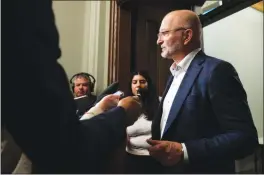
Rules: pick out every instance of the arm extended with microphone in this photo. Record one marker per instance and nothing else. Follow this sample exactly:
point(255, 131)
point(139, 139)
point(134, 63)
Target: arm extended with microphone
point(109, 90)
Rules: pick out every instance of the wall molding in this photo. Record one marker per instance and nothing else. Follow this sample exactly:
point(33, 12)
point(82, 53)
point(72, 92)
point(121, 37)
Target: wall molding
point(95, 43)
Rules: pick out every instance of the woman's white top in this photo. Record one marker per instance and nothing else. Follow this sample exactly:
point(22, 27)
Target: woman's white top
point(137, 134)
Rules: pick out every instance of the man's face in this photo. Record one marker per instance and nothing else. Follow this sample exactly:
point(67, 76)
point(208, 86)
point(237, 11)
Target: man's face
point(170, 38)
point(81, 87)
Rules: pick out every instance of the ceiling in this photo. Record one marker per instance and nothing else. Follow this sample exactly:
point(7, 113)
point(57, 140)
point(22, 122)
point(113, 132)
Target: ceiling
point(177, 3)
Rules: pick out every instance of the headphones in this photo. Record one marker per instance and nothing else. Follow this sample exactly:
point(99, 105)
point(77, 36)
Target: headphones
point(86, 75)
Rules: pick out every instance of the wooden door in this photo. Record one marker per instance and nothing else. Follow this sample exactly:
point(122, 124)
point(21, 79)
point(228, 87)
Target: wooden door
point(133, 35)
point(146, 51)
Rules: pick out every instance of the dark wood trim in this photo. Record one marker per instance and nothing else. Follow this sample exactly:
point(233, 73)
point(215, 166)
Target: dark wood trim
point(112, 56)
point(121, 60)
point(119, 45)
point(182, 4)
point(124, 48)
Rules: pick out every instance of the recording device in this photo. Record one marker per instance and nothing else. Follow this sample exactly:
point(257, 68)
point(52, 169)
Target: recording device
point(112, 88)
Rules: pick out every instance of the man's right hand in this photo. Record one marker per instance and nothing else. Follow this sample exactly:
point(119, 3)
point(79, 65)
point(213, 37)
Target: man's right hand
point(132, 107)
point(108, 102)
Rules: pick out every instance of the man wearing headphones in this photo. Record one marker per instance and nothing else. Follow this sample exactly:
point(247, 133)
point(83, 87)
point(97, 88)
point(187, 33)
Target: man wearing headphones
point(82, 87)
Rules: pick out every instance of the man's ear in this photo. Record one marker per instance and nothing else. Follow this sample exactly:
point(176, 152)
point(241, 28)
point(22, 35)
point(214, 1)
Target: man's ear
point(188, 35)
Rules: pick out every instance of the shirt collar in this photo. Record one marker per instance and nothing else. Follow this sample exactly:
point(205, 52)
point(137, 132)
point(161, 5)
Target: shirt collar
point(184, 63)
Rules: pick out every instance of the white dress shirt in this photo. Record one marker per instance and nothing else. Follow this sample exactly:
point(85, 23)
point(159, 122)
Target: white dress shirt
point(178, 71)
point(138, 133)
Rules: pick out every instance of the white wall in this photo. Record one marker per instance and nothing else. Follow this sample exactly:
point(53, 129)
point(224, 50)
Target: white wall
point(84, 29)
point(239, 39)
point(69, 17)
point(96, 41)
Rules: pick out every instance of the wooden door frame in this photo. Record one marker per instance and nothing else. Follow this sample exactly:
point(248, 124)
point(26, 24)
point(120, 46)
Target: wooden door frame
point(120, 43)
point(119, 60)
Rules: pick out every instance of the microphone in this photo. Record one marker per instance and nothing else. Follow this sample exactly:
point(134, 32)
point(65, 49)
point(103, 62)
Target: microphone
point(112, 88)
point(142, 94)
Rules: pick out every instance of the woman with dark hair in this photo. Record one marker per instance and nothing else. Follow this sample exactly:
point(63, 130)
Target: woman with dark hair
point(141, 81)
point(137, 157)
point(133, 157)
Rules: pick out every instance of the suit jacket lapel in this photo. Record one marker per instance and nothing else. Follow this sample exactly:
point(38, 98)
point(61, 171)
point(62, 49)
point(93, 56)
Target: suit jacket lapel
point(156, 121)
point(185, 87)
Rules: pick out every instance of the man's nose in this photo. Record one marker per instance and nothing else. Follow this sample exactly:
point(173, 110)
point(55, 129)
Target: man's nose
point(159, 41)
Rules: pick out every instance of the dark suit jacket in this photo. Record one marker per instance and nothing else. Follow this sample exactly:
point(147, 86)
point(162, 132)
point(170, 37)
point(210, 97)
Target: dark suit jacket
point(210, 114)
point(39, 112)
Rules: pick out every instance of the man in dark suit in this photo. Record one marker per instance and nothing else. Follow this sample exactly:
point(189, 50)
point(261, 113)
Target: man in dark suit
point(40, 112)
point(204, 122)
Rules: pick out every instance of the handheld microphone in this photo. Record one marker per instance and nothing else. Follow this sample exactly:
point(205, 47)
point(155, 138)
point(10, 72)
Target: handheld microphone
point(138, 92)
point(109, 90)
point(142, 94)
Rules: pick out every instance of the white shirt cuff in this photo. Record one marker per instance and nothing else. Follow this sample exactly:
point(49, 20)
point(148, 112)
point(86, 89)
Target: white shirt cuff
point(91, 113)
point(185, 153)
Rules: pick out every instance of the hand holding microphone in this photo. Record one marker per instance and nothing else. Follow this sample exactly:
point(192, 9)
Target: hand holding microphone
point(109, 97)
point(132, 106)
point(108, 102)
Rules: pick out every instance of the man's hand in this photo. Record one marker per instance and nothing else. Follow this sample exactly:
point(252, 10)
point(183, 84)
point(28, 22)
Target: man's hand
point(108, 102)
point(132, 107)
point(166, 152)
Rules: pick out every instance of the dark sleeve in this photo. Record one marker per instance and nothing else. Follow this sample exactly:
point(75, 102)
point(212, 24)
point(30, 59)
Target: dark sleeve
point(38, 107)
point(44, 124)
point(238, 137)
point(100, 136)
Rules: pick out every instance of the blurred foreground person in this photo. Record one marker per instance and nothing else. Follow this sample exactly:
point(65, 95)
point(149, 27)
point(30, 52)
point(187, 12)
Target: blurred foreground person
point(42, 119)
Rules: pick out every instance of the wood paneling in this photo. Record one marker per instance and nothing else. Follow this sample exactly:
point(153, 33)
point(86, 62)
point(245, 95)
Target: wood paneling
point(112, 60)
point(133, 34)
point(146, 50)
point(119, 45)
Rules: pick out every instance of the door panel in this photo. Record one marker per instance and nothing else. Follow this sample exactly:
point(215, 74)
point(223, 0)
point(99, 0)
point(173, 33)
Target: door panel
point(133, 35)
point(147, 52)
